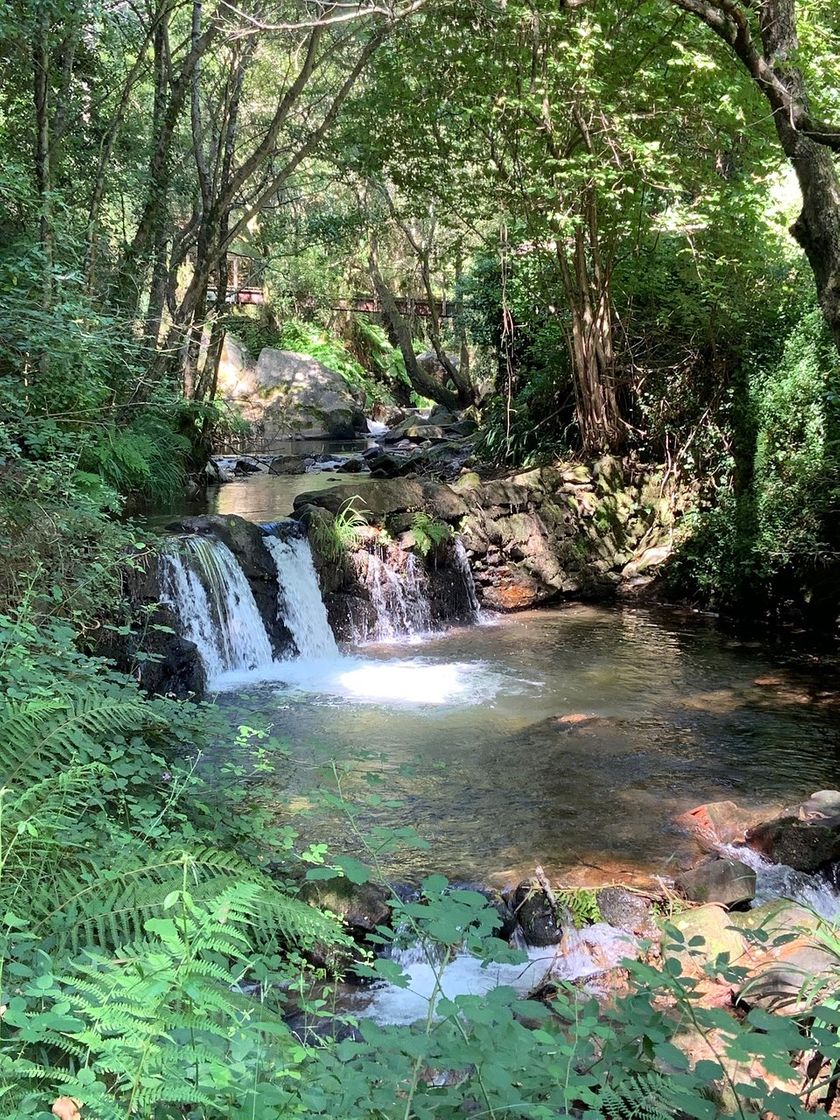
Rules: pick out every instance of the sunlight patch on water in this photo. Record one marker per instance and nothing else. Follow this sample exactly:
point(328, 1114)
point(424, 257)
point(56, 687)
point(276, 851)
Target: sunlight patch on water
point(407, 682)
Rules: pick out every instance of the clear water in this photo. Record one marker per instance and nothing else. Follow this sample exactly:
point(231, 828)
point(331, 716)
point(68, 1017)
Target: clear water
point(567, 737)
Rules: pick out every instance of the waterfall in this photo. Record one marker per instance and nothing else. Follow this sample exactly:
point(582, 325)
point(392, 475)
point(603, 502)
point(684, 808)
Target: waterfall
point(399, 599)
point(202, 581)
point(299, 602)
point(463, 566)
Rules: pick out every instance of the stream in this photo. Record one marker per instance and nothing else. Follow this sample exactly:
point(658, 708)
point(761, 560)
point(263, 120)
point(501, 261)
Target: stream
point(568, 736)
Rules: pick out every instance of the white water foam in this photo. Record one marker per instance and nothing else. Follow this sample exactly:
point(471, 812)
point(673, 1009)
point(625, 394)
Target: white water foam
point(776, 880)
point(582, 953)
point(409, 682)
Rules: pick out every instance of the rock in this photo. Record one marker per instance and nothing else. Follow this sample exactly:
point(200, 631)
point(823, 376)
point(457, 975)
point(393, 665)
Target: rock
point(507, 918)
point(535, 914)
point(778, 916)
point(466, 480)
point(247, 466)
point(284, 393)
point(514, 590)
point(626, 910)
point(719, 935)
point(443, 416)
point(217, 474)
point(718, 823)
point(646, 561)
point(360, 906)
point(392, 497)
point(351, 466)
point(390, 414)
point(287, 464)
point(725, 881)
point(247, 543)
point(803, 845)
point(823, 803)
point(391, 466)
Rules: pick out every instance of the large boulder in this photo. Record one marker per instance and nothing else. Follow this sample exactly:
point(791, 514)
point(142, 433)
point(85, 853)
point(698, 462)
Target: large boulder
point(725, 881)
point(285, 393)
point(390, 498)
point(804, 845)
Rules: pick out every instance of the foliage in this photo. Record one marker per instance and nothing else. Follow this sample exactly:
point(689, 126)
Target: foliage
point(770, 537)
point(429, 533)
point(129, 942)
point(334, 537)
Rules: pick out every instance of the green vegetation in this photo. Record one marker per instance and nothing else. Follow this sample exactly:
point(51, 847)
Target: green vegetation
point(428, 533)
point(582, 211)
point(334, 536)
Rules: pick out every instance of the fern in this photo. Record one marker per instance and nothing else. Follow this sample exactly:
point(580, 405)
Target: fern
point(38, 737)
point(638, 1096)
point(428, 533)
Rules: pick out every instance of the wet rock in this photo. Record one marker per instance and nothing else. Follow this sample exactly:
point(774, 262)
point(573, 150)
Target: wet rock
point(717, 823)
point(247, 466)
point(725, 881)
point(351, 466)
point(513, 589)
point(824, 803)
point(360, 906)
point(287, 464)
point(803, 845)
point(507, 918)
point(392, 497)
point(626, 910)
point(318, 1030)
point(216, 474)
point(246, 541)
point(537, 919)
point(391, 466)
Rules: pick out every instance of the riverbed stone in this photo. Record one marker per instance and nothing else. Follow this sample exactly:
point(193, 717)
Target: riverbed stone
point(718, 823)
point(360, 906)
point(725, 881)
point(625, 909)
point(803, 845)
point(287, 464)
point(791, 979)
point(536, 916)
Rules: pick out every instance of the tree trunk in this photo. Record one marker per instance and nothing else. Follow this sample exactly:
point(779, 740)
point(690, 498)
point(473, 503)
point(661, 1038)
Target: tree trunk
point(41, 78)
point(400, 334)
point(809, 145)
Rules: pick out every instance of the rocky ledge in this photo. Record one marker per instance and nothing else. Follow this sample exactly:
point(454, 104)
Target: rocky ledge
point(567, 530)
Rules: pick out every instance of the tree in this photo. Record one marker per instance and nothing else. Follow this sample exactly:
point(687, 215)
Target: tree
point(764, 38)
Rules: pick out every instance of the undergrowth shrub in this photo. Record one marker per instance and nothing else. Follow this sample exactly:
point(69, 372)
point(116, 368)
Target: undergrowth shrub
point(769, 538)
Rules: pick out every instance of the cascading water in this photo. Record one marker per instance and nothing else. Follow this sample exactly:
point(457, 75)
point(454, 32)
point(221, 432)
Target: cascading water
point(462, 564)
point(299, 601)
point(202, 581)
point(399, 599)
